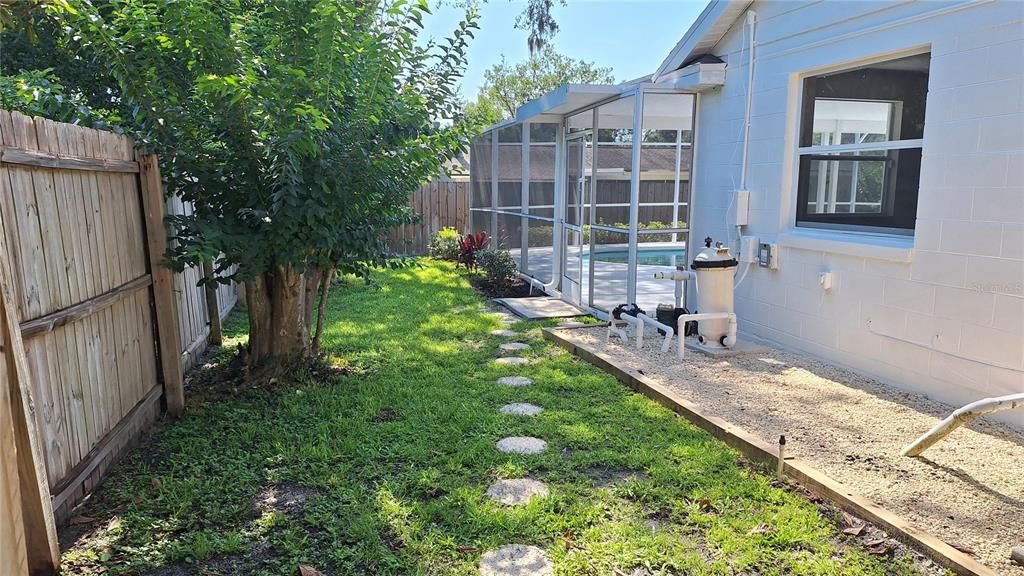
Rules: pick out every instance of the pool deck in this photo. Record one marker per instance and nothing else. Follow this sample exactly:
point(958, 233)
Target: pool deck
point(610, 277)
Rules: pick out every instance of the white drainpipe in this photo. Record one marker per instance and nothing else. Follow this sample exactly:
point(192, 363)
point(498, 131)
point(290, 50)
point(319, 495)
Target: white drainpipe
point(729, 340)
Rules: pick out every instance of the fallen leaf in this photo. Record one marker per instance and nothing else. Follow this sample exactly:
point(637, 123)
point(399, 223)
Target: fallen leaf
point(852, 525)
point(155, 482)
point(76, 520)
point(761, 529)
point(305, 570)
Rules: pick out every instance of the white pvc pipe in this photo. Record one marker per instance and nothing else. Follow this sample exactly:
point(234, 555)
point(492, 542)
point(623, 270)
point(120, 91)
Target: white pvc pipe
point(637, 325)
point(668, 330)
point(613, 328)
point(751, 23)
point(534, 283)
point(679, 277)
point(963, 416)
point(730, 336)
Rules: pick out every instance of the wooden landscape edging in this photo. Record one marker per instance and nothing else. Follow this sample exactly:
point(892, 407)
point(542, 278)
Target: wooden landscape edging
point(756, 449)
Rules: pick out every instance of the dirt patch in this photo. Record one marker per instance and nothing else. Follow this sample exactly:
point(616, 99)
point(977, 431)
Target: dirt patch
point(288, 499)
point(967, 490)
point(603, 476)
point(517, 289)
point(386, 414)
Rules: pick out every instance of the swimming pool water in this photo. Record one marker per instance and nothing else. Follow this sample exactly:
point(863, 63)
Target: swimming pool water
point(644, 257)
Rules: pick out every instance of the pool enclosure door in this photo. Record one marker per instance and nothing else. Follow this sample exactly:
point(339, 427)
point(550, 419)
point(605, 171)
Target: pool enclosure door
point(575, 185)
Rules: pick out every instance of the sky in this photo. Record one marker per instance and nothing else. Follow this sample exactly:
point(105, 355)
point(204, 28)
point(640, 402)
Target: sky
point(631, 37)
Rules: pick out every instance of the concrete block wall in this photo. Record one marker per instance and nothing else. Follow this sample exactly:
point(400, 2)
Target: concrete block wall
point(941, 313)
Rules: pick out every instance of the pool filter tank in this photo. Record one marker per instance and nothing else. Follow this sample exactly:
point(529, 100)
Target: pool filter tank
point(715, 268)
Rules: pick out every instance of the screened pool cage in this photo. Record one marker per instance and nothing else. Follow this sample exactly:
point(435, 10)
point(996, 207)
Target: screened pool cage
point(585, 207)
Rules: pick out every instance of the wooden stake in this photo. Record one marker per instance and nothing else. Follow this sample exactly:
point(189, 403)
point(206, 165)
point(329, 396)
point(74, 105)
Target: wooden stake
point(216, 336)
point(782, 457)
point(163, 286)
point(37, 509)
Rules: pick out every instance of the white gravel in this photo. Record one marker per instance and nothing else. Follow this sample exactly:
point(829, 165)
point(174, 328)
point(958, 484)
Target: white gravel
point(521, 409)
point(522, 445)
point(517, 491)
point(514, 381)
point(516, 560)
point(968, 489)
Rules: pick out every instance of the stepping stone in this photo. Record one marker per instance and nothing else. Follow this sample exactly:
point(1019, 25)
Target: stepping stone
point(505, 333)
point(522, 445)
point(517, 492)
point(514, 381)
point(516, 560)
point(512, 361)
point(514, 346)
point(521, 409)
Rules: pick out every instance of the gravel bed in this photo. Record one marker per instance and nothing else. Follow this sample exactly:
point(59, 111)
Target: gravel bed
point(968, 489)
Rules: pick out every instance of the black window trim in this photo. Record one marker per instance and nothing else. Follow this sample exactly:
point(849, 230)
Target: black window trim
point(902, 224)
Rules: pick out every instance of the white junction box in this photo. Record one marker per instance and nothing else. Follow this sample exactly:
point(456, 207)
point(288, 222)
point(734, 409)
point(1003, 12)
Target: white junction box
point(748, 249)
point(742, 207)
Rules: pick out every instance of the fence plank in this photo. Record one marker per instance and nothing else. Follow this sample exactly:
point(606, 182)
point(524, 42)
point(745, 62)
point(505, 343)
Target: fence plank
point(40, 529)
point(12, 524)
point(163, 286)
point(439, 204)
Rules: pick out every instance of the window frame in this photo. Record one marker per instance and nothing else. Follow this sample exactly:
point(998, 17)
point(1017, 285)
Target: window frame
point(891, 224)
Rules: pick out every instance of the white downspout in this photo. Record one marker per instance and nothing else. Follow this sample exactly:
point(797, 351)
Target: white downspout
point(751, 24)
point(556, 224)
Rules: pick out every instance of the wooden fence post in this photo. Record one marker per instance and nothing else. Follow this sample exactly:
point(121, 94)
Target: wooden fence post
point(163, 285)
point(41, 546)
point(216, 336)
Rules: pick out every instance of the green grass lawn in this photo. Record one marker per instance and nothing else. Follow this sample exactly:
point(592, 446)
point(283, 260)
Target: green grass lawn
point(383, 470)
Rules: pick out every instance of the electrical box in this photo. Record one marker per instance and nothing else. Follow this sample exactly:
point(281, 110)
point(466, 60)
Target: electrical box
point(825, 280)
point(768, 256)
point(742, 207)
point(749, 246)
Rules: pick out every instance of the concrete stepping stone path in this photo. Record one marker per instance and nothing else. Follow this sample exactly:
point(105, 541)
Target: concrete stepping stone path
point(514, 381)
point(516, 560)
point(505, 333)
point(512, 361)
point(517, 492)
point(521, 445)
point(513, 346)
point(521, 409)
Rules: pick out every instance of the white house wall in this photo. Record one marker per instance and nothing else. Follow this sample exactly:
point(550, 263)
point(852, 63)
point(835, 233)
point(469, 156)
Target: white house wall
point(949, 323)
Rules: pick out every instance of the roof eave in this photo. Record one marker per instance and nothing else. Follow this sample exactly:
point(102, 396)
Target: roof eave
point(707, 30)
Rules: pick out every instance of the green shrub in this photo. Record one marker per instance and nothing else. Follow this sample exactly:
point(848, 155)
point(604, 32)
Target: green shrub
point(444, 244)
point(498, 266)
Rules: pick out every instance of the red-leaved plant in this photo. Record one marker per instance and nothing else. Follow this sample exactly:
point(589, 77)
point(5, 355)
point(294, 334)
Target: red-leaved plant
point(468, 247)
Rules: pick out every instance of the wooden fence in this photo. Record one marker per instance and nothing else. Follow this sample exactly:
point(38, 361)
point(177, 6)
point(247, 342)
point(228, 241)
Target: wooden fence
point(193, 313)
point(440, 203)
point(90, 323)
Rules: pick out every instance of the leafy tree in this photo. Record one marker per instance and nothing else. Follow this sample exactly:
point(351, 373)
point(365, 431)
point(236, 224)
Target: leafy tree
point(506, 87)
point(297, 130)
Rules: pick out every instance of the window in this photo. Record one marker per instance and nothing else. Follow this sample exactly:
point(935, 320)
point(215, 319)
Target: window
point(860, 146)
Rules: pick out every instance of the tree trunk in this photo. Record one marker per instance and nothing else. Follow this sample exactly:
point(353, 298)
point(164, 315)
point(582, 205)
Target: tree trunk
point(278, 325)
point(325, 289)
